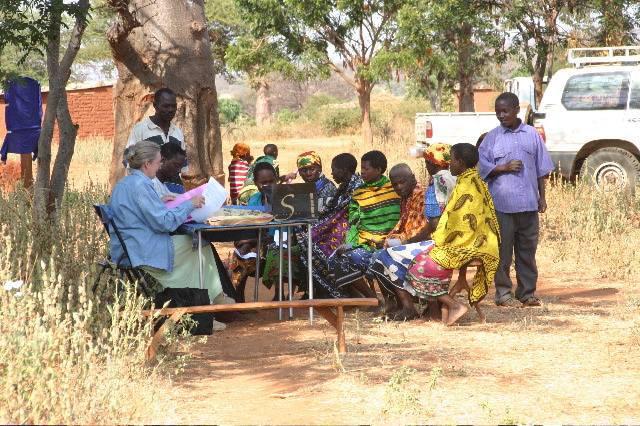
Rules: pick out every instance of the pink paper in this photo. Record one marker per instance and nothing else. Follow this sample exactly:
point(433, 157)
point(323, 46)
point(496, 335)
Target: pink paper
point(181, 198)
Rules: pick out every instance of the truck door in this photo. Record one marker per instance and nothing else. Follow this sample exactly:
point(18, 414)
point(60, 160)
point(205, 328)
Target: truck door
point(633, 113)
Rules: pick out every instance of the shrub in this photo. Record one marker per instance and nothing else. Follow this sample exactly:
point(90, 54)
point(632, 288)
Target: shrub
point(340, 120)
point(287, 116)
point(315, 103)
point(229, 110)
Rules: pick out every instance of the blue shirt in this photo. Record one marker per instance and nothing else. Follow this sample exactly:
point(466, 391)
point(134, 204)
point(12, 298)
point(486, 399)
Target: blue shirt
point(144, 222)
point(514, 192)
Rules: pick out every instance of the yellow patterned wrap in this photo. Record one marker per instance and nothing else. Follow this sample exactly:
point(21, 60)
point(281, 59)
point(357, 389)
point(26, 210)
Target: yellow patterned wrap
point(468, 230)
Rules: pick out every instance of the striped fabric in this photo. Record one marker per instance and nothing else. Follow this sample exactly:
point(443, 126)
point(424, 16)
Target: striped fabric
point(238, 171)
point(374, 211)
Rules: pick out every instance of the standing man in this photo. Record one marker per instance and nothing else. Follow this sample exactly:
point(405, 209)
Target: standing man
point(514, 162)
point(158, 127)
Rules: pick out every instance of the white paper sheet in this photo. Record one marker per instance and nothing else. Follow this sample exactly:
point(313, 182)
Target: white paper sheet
point(214, 197)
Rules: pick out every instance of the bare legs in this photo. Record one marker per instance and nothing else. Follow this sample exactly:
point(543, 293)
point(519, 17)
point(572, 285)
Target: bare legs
point(407, 310)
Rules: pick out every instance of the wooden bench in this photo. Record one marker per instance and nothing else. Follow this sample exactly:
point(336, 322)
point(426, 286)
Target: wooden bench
point(323, 306)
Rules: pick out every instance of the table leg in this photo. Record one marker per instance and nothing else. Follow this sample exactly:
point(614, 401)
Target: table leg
point(279, 289)
point(310, 271)
point(257, 283)
point(201, 272)
point(290, 274)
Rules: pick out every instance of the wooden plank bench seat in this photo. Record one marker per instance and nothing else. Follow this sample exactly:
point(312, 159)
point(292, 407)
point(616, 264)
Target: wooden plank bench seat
point(323, 306)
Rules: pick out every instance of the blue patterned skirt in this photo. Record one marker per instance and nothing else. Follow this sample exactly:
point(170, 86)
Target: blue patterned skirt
point(390, 266)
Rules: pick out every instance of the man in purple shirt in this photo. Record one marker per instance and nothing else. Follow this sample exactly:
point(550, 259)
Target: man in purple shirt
point(514, 162)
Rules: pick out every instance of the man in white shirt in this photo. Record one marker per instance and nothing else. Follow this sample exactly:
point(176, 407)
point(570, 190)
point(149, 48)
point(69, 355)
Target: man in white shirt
point(158, 127)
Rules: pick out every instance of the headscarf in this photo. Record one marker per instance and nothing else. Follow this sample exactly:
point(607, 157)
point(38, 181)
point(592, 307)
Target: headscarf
point(240, 150)
point(308, 158)
point(438, 154)
point(469, 230)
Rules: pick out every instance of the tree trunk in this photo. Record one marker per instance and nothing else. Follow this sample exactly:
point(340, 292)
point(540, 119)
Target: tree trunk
point(364, 100)
point(165, 44)
point(66, 146)
point(58, 71)
point(465, 71)
point(263, 103)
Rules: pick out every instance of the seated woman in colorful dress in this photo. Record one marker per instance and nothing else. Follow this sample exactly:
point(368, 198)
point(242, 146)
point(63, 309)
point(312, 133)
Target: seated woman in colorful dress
point(418, 219)
point(330, 230)
point(374, 211)
point(145, 225)
point(403, 242)
point(468, 230)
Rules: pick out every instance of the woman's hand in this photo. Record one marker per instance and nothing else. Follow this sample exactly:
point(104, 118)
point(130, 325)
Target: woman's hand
point(389, 237)
point(168, 197)
point(197, 201)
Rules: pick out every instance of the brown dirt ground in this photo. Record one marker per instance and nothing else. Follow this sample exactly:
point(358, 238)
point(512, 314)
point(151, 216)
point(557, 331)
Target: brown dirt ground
point(571, 361)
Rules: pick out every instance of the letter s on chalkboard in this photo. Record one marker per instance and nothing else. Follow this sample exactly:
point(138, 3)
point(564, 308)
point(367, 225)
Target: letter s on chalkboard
point(284, 204)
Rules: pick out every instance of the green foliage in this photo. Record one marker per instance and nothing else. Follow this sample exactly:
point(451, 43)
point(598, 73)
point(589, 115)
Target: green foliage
point(95, 54)
point(287, 116)
point(337, 121)
point(237, 50)
point(229, 110)
point(440, 40)
point(316, 102)
point(27, 26)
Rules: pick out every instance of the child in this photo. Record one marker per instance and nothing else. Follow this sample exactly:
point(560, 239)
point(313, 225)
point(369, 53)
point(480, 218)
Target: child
point(238, 169)
point(467, 230)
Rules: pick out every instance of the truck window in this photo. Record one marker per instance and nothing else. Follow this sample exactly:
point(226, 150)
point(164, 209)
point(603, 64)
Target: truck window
point(634, 101)
point(596, 91)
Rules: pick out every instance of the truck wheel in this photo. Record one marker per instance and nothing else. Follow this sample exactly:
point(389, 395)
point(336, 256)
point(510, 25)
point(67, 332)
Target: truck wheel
point(612, 169)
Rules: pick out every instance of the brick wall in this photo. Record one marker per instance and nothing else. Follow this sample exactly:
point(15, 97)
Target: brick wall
point(91, 109)
point(483, 100)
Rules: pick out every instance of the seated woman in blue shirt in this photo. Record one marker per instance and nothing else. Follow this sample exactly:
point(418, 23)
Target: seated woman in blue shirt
point(145, 224)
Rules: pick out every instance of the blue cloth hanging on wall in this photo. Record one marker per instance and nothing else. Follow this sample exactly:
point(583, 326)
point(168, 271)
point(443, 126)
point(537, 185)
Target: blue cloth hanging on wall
point(23, 116)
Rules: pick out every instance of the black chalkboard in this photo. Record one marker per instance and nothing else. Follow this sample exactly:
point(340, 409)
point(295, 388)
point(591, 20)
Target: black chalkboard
point(294, 201)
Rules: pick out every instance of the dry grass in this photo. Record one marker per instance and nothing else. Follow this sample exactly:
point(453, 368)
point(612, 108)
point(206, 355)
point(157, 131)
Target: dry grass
point(68, 355)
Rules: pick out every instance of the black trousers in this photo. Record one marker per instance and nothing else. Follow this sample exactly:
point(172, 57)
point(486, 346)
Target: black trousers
point(519, 237)
point(225, 281)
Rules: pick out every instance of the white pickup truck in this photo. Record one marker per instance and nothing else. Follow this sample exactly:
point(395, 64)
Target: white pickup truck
point(589, 117)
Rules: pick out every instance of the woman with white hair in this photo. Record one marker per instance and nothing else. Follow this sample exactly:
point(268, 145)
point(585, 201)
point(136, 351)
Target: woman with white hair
point(146, 223)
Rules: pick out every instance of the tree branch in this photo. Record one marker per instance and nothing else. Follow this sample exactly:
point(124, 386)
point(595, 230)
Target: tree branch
point(343, 75)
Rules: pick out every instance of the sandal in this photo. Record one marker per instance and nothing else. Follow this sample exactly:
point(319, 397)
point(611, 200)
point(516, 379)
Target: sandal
point(509, 303)
point(532, 302)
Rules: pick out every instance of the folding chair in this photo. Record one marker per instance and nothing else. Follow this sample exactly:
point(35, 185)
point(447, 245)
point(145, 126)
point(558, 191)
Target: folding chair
point(122, 266)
